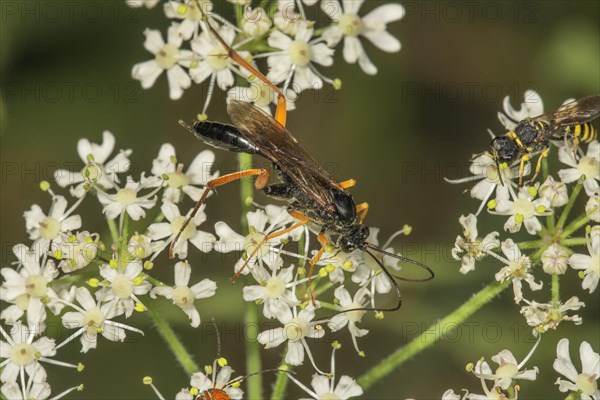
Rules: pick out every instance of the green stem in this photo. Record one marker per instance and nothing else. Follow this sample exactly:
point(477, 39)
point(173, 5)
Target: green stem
point(582, 220)
point(551, 222)
point(253, 361)
point(432, 334)
point(281, 383)
point(239, 15)
point(112, 227)
point(175, 345)
point(534, 244)
point(573, 242)
point(567, 210)
point(555, 289)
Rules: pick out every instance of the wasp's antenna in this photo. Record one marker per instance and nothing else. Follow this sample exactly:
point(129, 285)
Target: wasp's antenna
point(376, 309)
point(399, 257)
point(497, 160)
point(214, 323)
point(241, 378)
point(472, 158)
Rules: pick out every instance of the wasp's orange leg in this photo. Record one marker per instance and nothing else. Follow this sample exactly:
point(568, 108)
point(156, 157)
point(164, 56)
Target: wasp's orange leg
point(303, 221)
point(362, 209)
point(261, 181)
point(281, 111)
point(323, 240)
point(348, 184)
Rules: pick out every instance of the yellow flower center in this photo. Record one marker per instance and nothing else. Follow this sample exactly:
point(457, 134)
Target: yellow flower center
point(262, 95)
point(36, 285)
point(355, 316)
point(183, 296)
point(351, 24)
point(49, 228)
point(274, 288)
point(93, 321)
point(167, 56)
point(217, 58)
point(122, 287)
point(22, 354)
point(507, 371)
point(255, 245)
point(126, 196)
point(189, 231)
point(91, 172)
point(299, 52)
point(329, 396)
point(523, 207)
point(177, 180)
point(296, 329)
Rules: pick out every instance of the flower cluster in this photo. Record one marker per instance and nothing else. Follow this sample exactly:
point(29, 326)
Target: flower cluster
point(544, 241)
point(296, 48)
point(95, 283)
point(542, 209)
point(582, 385)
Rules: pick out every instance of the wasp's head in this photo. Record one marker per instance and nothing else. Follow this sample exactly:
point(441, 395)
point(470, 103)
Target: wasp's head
point(354, 238)
point(504, 148)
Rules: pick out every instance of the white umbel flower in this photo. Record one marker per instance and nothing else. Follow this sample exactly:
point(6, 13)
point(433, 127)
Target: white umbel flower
point(98, 169)
point(23, 355)
point(122, 288)
point(275, 291)
point(350, 26)
point(28, 288)
point(75, 251)
point(167, 57)
point(589, 264)
point(588, 166)
point(517, 268)
point(203, 241)
point(296, 328)
point(585, 384)
point(592, 208)
point(296, 57)
point(523, 209)
point(474, 248)
point(92, 319)
point(127, 200)
point(350, 318)
point(176, 180)
point(509, 368)
point(324, 387)
point(184, 296)
point(491, 179)
point(43, 229)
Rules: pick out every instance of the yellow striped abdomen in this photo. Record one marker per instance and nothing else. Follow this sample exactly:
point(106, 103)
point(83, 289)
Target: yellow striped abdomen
point(584, 132)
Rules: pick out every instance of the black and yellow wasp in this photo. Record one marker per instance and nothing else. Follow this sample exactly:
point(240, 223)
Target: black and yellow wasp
point(570, 122)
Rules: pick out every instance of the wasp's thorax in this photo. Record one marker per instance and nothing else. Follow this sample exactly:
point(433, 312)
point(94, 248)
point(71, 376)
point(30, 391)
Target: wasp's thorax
point(527, 131)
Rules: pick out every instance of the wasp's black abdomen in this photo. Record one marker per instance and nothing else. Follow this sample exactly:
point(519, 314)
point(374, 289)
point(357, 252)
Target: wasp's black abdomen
point(224, 136)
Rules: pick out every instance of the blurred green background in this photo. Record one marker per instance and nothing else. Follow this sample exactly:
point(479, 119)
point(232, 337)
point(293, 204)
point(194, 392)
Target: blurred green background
point(67, 76)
